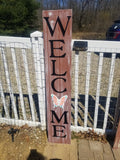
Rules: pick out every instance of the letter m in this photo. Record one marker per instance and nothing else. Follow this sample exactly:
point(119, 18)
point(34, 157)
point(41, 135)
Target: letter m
point(59, 119)
point(60, 24)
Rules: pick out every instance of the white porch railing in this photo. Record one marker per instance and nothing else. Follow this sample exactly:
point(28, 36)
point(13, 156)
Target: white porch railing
point(21, 76)
point(97, 77)
point(95, 83)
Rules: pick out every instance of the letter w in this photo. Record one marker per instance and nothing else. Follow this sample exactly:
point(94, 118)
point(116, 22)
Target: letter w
point(60, 24)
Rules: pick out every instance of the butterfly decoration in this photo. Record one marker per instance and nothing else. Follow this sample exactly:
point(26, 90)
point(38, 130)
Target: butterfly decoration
point(59, 102)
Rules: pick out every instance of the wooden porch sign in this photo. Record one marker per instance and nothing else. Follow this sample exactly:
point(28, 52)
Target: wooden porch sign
point(57, 30)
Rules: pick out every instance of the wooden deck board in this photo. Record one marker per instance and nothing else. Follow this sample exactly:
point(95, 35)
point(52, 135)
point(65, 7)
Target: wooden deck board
point(108, 154)
point(116, 154)
point(94, 150)
point(84, 150)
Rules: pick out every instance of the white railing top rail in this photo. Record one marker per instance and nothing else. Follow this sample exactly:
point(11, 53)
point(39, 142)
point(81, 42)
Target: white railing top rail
point(93, 45)
point(101, 45)
point(14, 39)
point(15, 42)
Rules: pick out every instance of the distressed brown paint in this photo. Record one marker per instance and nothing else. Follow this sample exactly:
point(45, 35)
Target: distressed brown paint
point(57, 29)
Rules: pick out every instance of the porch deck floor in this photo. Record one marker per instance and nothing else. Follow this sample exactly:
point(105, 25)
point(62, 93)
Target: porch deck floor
point(94, 150)
point(81, 150)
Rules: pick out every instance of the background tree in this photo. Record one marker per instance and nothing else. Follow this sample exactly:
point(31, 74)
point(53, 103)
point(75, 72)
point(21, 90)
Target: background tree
point(24, 16)
point(17, 17)
point(88, 15)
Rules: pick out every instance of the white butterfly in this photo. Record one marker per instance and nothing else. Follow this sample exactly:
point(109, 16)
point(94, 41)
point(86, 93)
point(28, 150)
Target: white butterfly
point(59, 102)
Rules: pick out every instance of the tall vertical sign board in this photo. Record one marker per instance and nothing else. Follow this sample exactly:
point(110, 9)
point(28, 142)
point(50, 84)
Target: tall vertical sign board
point(57, 30)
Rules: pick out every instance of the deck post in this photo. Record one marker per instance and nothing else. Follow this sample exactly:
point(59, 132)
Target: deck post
point(37, 47)
point(117, 137)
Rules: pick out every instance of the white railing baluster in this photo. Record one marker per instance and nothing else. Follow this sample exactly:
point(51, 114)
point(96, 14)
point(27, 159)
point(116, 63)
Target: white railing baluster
point(28, 83)
point(42, 63)
point(109, 90)
point(98, 89)
point(76, 86)
point(87, 88)
point(18, 82)
point(9, 83)
point(38, 78)
point(3, 101)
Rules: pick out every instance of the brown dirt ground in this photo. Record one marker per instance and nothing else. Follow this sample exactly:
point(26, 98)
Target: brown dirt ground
point(30, 143)
point(26, 140)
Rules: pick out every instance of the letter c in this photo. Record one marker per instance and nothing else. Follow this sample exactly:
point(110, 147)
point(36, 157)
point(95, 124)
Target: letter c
point(53, 85)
